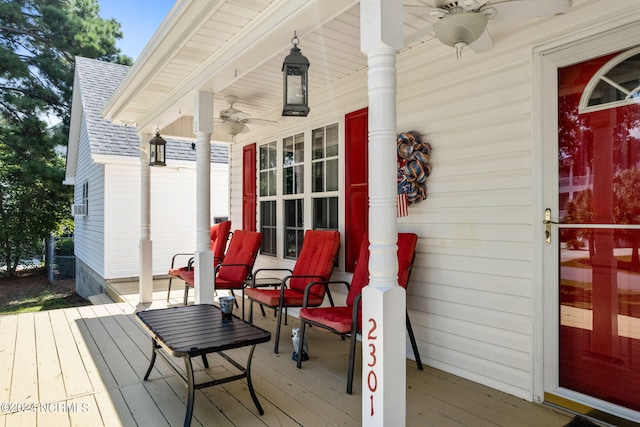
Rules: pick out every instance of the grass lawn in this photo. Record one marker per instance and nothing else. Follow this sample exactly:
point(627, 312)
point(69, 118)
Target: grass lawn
point(31, 292)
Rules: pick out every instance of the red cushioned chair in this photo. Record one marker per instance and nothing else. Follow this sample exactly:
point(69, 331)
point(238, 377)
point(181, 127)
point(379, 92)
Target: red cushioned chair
point(347, 320)
point(315, 262)
point(236, 268)
point(219, 234)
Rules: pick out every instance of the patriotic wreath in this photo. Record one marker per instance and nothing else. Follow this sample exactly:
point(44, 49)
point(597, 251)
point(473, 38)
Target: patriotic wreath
point(413, 166)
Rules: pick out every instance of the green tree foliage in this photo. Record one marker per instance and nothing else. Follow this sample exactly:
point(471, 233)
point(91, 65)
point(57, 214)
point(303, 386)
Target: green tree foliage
point(579, 211)
point(626, 187)
point(39, 40)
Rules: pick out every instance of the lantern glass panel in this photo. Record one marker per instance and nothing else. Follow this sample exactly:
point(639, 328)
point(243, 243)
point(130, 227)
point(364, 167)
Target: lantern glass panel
point(295, 89)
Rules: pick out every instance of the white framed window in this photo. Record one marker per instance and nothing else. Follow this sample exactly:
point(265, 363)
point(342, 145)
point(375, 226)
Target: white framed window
point(324, 171)
point(82, 209)
point(615, 84)
point(267, 184)
point(298, 184)
point(85, 196)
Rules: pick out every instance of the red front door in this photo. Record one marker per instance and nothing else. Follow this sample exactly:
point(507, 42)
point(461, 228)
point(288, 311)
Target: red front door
point(599, 194)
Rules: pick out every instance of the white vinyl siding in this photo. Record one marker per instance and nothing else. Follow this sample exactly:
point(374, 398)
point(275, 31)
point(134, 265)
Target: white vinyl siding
point(476, 274)
point(173, 214)
point(89, 229)
point(470, 295)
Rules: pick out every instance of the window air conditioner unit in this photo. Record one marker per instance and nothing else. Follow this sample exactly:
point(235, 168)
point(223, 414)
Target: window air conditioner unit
point(79, 209)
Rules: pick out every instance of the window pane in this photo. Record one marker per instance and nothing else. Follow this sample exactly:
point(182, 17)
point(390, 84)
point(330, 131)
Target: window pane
point(272, 183)
point(318, 144)
point(294, 226)
point(264, 157)
point(332, 211)
point(264, 184)
point(299, 146)
point(325, 213)
point(265, 214)
point(291, 247)
point(299, 210)
point(332, 140)
point(287, 177)
point(267, 227)
point(319, 217)
point(300, 236)
point(268, 242)
point(299, 179)
point(289, 213)
point(332, 175)
point(267, 181)
point(293, 167)
point(317, 183)
point(604, 93)
point(287, 152)
point(272, 155)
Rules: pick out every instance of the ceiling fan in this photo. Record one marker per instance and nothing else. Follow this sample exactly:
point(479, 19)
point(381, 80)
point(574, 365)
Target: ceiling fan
point(462, 23)
point(233, 121)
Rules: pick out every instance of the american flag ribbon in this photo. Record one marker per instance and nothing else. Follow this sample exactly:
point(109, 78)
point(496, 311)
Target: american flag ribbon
point(402, 208)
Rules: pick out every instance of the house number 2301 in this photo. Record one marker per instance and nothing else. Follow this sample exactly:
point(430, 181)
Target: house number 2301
point(372, 378)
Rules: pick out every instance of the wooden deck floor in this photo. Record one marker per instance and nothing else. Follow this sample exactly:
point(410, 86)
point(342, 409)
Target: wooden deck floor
point(84, 366)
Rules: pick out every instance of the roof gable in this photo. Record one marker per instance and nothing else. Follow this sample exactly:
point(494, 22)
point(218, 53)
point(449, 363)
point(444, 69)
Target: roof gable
point(94, 83)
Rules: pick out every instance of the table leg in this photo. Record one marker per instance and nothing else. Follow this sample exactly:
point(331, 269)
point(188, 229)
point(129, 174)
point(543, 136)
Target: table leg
point(190, 391)
point(153, 358)
point(250, 384)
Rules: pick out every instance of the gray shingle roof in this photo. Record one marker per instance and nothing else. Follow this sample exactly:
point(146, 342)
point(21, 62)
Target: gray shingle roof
point(97, 81)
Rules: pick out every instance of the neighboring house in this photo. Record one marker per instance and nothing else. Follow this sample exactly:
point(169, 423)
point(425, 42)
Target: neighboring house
point(490, 298)
point(103, 163)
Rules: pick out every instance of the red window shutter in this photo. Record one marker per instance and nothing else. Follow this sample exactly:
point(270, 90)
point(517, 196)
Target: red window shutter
point(356, 183)
point(249, 197)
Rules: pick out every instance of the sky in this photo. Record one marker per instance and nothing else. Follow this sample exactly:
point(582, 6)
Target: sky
point(139, 19)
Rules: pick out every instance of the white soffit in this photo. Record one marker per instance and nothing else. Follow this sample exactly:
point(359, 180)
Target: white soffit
point(233, 46)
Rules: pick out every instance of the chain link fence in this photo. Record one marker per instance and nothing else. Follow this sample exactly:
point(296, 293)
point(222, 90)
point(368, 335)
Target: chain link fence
point(60, 261)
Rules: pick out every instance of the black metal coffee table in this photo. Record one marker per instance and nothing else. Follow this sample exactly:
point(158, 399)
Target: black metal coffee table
point(197, 330)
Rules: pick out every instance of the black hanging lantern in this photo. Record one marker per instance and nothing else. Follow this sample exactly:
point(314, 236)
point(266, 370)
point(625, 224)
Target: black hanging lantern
point(157, 153)
point(295, 68)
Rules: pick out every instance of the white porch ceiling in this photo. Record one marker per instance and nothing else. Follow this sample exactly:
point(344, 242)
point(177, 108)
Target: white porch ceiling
point(236, 47)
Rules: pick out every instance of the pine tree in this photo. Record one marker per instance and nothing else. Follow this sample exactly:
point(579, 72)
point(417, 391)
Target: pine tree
point(39, 40)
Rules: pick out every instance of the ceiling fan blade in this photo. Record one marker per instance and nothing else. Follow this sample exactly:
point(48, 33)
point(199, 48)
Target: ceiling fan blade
point(483, 44)
point(253, 121)
point(528, 9)
point(418, 34)
point(469, 5)
point(245, 129)
point(239, 116)
point(431, 4)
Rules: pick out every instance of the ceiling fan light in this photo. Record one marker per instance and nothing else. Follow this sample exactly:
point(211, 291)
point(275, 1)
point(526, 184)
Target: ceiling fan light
point(460, 28)
point(232, 128)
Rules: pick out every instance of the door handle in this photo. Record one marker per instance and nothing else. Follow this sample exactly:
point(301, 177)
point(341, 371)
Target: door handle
point(547, 226)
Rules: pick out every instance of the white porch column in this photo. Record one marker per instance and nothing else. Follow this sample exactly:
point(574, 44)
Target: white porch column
point(203, 128)
point(145, 281)
point(383, 313)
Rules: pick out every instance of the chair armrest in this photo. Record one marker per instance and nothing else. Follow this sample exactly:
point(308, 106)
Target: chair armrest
point(305, 298)
point(255, 274)
point(173, 259)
